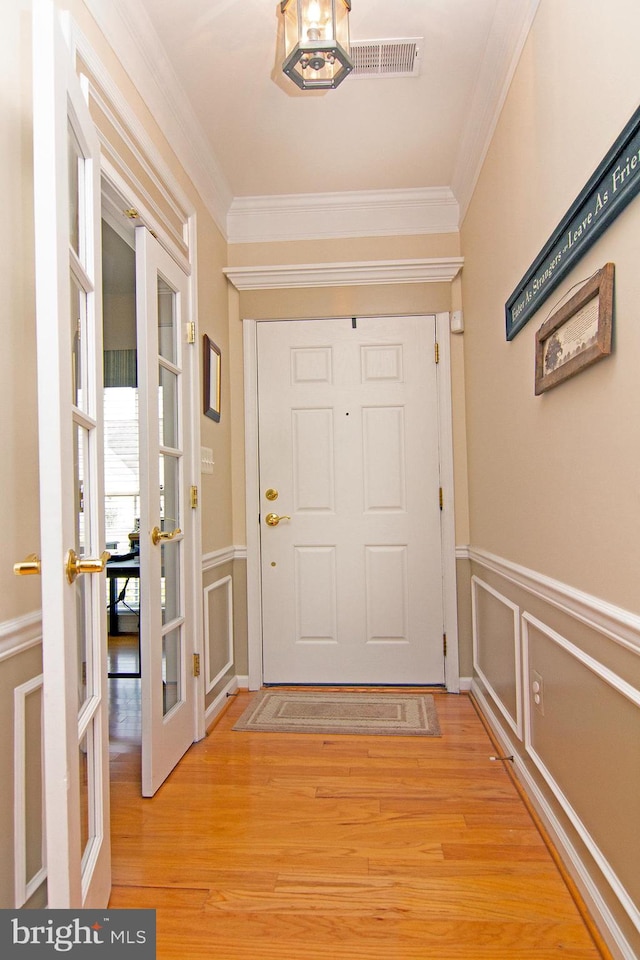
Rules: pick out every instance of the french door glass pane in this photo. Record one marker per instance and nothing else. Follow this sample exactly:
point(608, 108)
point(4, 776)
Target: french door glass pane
point(78, 345)
point(170, 581)
point(82, 548)
point(171, 669)
point(169, 492)
point(87, 778)
point(167, 338)
point(168, 408)
point(76, 161)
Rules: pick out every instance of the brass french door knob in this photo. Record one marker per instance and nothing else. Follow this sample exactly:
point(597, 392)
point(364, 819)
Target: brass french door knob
point(159, 536)
point(77, 565)
point(28, 567)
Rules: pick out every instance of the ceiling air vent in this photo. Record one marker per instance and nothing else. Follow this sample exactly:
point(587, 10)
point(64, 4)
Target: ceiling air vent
point(386, 58)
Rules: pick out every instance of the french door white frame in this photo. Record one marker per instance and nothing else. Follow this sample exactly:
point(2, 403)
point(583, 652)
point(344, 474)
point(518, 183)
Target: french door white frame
point(445, 433)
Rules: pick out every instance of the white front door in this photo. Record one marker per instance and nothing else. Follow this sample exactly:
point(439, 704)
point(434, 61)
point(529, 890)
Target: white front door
point(349, 502)
point(69, 350)
point(166, 519)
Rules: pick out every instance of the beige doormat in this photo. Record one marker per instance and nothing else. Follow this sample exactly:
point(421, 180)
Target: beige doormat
point(381, 714)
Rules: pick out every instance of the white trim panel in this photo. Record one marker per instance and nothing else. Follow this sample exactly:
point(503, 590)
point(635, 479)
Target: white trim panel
point(360, 213)
point(24, 886)
point(447, 515)
point(514, 722)
point(297, 275)
point(218, 585)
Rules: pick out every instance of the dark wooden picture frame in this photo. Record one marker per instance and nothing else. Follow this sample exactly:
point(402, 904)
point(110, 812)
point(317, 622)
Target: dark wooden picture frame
point(578, 334)
point(211, 380)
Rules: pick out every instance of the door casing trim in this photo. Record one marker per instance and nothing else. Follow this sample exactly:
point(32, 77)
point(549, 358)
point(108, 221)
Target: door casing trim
point(252, 488)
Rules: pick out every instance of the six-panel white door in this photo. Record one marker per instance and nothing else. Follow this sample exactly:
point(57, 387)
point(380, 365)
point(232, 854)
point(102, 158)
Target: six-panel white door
point(348, 437)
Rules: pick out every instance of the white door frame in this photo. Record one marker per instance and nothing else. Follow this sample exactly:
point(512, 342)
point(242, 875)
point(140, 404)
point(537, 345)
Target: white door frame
point(445, 433)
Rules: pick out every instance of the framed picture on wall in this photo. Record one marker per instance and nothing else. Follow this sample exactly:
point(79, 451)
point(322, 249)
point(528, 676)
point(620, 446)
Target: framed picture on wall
point(211, 381)
point(578, 334)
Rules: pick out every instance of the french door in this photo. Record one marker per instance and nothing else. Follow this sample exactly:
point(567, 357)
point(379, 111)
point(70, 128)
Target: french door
point(69, 352)
point(166, 524)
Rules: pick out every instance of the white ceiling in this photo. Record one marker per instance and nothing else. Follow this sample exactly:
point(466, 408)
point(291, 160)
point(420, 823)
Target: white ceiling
point(216, 63)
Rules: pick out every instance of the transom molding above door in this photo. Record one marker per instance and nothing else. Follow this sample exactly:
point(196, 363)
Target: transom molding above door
point(287, 276)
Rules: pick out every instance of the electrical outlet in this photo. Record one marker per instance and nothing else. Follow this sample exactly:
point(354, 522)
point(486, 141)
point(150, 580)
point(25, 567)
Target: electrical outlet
point(537, 691)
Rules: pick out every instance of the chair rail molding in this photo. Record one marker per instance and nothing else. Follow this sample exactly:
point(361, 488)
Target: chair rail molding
point(620, 625)
point(20, 634)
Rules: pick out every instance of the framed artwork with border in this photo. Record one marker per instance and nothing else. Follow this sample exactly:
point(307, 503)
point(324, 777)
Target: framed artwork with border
point(578, 334)
point(211, 381)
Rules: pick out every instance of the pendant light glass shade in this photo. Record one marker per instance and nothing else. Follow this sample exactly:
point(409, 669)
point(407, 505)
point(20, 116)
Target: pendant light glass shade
point(316, 41)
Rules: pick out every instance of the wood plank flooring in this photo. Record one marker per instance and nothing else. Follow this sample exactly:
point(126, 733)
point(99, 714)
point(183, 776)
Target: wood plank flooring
point(308, 847)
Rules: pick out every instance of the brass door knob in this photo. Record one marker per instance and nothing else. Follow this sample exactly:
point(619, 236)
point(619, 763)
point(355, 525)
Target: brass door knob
point(28, 567)
point(77, 565)
point(272, 519)
point(159, 536)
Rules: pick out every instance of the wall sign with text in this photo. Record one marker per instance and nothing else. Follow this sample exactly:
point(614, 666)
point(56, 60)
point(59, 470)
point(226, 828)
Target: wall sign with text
point(615, 182)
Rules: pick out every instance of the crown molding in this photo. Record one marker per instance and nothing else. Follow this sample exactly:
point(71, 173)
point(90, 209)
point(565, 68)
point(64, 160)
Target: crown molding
point(511, 25)
point(291, 276)
point(128, 29)
point(329, 216)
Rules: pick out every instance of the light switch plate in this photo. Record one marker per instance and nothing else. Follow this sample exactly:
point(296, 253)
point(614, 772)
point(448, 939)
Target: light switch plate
point(206, 460)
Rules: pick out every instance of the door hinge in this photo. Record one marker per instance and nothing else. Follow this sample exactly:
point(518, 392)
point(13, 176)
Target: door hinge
point(437, 351)
point(441, 498)
point(191, 331)
point(194, 497)
point(444, 644)
point(196, 664)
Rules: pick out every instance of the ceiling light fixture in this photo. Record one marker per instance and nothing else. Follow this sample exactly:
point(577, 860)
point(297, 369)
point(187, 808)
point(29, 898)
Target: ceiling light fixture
point(316, 42)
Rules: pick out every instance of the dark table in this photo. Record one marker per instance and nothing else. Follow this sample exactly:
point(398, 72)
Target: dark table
point(121, 568)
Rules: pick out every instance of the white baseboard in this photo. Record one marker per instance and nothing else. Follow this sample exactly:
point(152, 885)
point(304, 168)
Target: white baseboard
point(217, 705)
point(465, 684)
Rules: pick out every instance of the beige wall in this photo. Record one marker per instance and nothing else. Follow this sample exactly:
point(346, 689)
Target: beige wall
point(553, 480)
point(19, 508)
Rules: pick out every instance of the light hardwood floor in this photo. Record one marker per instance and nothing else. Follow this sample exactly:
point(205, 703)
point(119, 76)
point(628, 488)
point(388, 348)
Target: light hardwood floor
point(310, 847)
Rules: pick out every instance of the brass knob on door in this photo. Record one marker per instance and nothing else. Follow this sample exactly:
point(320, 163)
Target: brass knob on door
point(272, 519)
point(29, 567)
point(76, 564)
point(160, 536)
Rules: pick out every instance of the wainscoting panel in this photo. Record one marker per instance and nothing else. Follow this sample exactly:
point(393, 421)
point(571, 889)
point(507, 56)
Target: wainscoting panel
point(218, 630)
point(28, 798)
point(575, 742)
point(580, 743)
point(22, 838)
point(496, 649)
